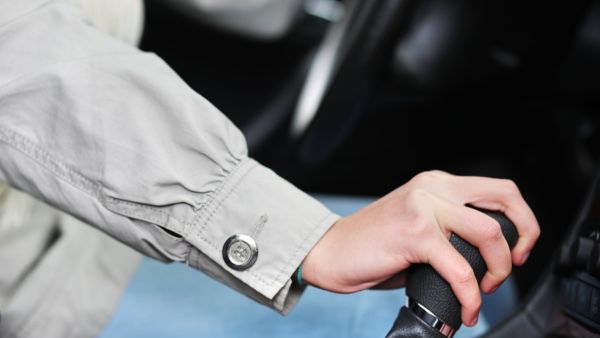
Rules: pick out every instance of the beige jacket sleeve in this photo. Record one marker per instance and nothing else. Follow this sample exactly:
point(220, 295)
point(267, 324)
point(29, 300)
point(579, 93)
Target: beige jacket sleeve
point(113, 136)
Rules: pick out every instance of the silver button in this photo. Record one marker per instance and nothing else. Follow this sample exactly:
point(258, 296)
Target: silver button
point(240, 252)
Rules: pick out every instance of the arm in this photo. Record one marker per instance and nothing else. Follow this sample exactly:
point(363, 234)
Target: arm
point(412, 224)
point(113, 136)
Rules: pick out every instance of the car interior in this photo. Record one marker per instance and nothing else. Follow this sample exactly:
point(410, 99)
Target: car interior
point(354, 98)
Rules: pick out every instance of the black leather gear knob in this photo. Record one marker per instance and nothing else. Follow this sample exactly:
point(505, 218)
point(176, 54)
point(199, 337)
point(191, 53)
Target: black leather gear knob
point(427, 288)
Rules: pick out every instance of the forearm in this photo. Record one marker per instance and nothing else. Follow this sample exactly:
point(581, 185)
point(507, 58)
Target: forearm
point(116, 138)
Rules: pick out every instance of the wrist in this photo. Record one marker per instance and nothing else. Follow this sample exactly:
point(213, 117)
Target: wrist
point(316, 266)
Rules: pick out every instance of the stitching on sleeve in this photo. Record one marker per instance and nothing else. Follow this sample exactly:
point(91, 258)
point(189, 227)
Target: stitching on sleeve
point(210, 208)
point(117, 205)
point(217, 207)
point(212, 212)
point(66, 173)
point(72, 177)
point(47, 161)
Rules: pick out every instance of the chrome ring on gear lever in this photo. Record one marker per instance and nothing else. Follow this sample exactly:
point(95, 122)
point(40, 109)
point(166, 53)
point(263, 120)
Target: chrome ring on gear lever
point(430, 319)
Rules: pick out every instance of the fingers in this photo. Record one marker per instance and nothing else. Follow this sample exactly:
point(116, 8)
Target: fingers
point(458, 273)
point(502, 195)
point(482, 232)
point(449, 195)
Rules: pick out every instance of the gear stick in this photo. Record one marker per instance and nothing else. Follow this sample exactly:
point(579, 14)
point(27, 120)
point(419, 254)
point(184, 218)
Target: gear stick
point(433, 310)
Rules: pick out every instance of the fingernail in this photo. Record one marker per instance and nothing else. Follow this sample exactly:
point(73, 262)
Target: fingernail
point(492, 290)
point(474, 321)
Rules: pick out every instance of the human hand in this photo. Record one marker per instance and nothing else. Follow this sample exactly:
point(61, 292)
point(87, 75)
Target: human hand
point(373, 247)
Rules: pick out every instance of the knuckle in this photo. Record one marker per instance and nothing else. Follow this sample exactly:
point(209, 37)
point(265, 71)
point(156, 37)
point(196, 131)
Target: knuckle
point(438, 173)
point(505, 270)
point(417, 197)
point(427, 176)
point(475, 303)
point(464, 275)
point(511, 187)
point(492, 233)
point(502, 271)
point(419, 222)
point(417, 212)
point(536, 232)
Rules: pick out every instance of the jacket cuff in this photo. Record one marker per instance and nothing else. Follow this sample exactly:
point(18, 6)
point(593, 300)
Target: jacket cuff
point(284, 222)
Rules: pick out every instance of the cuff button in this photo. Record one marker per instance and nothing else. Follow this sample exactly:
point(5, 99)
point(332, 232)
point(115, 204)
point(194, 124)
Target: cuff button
point(240, 252)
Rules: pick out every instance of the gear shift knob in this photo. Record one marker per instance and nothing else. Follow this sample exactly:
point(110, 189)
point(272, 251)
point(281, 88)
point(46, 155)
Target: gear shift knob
point(431, 300)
